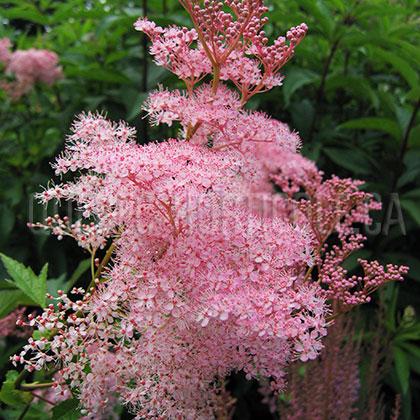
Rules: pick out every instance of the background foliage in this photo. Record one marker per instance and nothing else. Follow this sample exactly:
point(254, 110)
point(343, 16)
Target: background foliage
point(352, 92)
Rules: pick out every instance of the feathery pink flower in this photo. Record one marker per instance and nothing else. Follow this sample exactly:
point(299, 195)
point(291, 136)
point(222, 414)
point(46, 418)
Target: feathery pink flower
point(28, 67)
point(202, 280)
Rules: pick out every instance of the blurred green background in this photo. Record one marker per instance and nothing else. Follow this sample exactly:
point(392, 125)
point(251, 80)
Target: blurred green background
point(352, 92)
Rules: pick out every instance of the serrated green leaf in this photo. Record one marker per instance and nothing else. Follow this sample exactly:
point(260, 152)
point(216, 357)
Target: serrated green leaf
point(402, 368)
point(5, 285)
point(374, 123)
point(10, 395)
point(66, 410)
point(25, 279)
point(43, 274)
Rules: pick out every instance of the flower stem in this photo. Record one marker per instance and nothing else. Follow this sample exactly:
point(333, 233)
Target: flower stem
point(36, 385)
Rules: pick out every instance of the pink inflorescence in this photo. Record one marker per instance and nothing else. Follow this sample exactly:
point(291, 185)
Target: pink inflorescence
point(199, 286)
point(232, 45)
point(203, 279)
point(27, 67)
point(13, 325)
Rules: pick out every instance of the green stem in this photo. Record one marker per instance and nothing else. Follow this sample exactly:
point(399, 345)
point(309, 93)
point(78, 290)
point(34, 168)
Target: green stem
point(36, 385)
point(25, 410)
point(92, 264)
point(103, 263)
point(21, 377)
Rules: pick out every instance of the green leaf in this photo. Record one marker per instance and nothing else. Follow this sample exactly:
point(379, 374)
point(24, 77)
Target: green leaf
point(54, 285)
point(351, 262)
point(374, 123)
point(339, 4)
point(11, 299)
point(8, 301)
point(414, 138)
point(135, 107)
point(10, 395)
point(36, 412)
point(5, 285)
point(412, 194)
point(403, 117)
point(25, 279)
point(322, 16)
point(400, 65)
point(97, 74)
point(413, 355)
point(411, 50)
point(302, 115)
point(367, 9)
point(349, 159)
point(412, 208)
point(402, 368)
point(66, 410)
point(115, 56)
point(411, 332)
point(30, 15)
point(356, 85)
point(295, 79)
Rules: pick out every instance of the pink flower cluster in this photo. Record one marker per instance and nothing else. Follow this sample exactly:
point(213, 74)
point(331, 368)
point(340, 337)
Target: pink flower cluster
point(232, 45)
point(203, 280)
point(200, 286)
point(332, 208)
point(11, 325)
point(27, 67)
